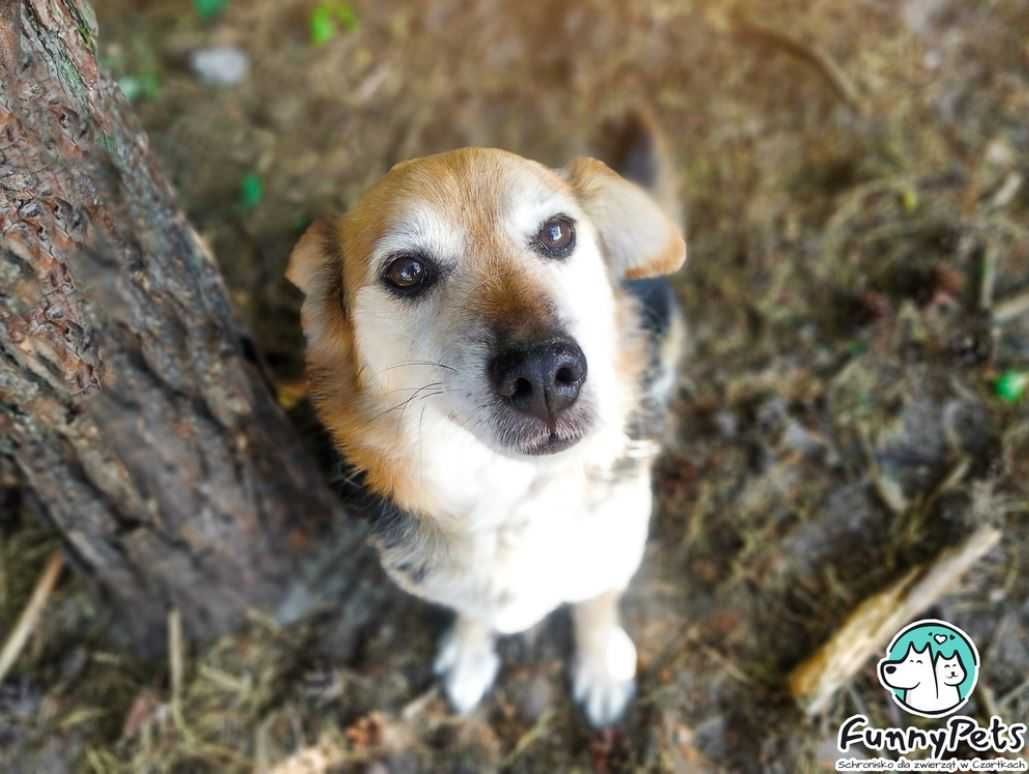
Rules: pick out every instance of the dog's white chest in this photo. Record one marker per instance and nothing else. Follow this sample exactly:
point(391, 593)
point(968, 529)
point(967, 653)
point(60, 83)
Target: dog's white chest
point(532, 544)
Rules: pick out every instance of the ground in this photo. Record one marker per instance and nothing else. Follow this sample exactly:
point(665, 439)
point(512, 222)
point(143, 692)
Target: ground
point(854, 178)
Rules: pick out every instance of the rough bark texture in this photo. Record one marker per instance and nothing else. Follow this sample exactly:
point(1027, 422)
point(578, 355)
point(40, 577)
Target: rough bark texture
point(130, 399)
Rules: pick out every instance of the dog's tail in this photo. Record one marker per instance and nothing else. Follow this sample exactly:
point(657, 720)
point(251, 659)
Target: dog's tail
point(634, 146)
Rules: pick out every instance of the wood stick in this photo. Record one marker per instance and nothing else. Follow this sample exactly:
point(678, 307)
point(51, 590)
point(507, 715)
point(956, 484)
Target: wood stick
point(871, 625)
point(1012, 307)
point(989, 279)
point(176, 664)
point(26, 623)
point(833, 74)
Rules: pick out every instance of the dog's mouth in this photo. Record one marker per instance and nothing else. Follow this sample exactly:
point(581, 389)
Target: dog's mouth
point(533, 438)
point(552, 444)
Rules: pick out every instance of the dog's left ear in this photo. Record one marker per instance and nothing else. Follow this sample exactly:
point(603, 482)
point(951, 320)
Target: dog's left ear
point(315, 268)
point(310, 256)
point(639, 239)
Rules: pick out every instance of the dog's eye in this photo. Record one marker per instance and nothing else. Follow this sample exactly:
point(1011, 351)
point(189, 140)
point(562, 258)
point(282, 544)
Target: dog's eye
point(556, 237)
point(408, 275)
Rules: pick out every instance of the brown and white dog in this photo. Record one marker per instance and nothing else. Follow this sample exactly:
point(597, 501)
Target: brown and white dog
point(493, 364)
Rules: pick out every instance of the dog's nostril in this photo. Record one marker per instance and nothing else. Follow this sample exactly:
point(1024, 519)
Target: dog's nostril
point(890, 670)
point(522, 389)
point(541, 381)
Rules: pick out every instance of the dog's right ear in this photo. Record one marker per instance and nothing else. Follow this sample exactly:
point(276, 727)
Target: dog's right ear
point(639, 239)
point(311, 256)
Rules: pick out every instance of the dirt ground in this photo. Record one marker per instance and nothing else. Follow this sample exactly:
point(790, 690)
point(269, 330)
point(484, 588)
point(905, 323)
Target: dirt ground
point(855, 179)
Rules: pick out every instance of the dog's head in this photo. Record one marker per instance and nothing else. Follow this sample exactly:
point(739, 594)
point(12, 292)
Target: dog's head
point(476, 287)
point(915, 668)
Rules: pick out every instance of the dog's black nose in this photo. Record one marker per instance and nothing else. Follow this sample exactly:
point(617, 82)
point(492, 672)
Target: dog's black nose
point(890, 670)
point(541, 381)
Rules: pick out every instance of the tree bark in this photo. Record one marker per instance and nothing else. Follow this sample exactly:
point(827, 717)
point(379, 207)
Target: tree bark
point(130, 399)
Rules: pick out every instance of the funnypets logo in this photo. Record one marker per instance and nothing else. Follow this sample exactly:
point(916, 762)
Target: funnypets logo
point(931, 669)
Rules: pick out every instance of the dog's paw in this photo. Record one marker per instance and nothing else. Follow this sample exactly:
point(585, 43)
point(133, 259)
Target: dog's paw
point(467, 667)
point(604, 677)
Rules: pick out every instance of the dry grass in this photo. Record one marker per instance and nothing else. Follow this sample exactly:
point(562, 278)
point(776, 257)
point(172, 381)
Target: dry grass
point(856, 189)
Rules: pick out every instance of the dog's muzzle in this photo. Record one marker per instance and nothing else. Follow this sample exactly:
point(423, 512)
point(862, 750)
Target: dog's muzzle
point(541, 381)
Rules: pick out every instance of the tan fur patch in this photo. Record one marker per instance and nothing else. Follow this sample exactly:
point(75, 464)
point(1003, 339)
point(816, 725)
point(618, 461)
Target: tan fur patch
point(667, 261)
point(507, 300)
point(633, 349)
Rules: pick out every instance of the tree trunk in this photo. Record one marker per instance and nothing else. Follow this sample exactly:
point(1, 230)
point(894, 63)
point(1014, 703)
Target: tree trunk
point(130, 399)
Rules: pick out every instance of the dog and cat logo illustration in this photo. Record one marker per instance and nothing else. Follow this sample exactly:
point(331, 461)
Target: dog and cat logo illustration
point(930, 669)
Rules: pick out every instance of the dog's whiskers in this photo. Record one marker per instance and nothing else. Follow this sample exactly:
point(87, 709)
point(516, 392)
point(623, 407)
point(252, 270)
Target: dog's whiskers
point(412, 389)
point(434, 387)
point(426, 363)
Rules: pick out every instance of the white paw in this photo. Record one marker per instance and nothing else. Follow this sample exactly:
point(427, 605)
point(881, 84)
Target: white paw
point(604, 678)
point(467, 666)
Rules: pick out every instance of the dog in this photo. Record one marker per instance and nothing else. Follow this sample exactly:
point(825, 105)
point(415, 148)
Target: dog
point(491, 344)
point(915, 675)
point(930, 681)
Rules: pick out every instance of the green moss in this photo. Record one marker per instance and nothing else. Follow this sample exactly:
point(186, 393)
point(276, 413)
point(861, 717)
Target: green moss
point(85, 23)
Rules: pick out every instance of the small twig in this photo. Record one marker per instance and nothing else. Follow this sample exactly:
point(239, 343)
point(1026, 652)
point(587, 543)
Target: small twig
point(989, 279)
point(26, 623)
point(416, 706)
point(1011, 695)
point(821, 61)
point(858, 702)
point(176, 664)
point(729, 666)
point(987, 697)
point(949, 482)
point(528, 738)
point(1012, 307)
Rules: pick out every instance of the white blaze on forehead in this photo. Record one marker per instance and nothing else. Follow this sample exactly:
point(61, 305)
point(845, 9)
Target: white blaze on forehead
point(418, 226)
point(529, 200)
point(578, 286)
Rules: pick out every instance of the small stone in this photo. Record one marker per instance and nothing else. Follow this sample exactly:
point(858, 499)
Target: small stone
point(533, 696)
point(220, 65)
point(728, 424)
point(800, 439)
point(1000, 153)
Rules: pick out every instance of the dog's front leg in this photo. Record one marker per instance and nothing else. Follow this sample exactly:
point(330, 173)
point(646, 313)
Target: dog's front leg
point(467, 662)
point(604, 673)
